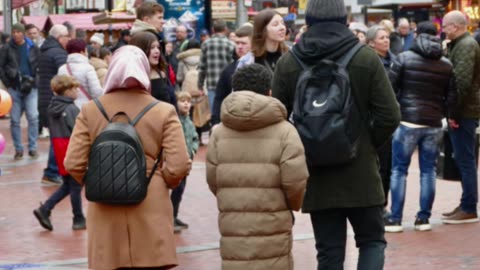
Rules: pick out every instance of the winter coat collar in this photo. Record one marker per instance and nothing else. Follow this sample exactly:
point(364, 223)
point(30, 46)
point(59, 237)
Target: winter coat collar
point(428, 46)
point(328, 40)
point(246, 110)
point(140, 26)
point(188, 53)
point(77, 58)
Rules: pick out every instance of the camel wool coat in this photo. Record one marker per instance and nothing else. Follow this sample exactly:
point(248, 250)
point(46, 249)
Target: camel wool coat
point(139, 235)
point(256, 168)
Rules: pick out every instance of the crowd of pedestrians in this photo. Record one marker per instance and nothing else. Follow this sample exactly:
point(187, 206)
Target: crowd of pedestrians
point(246, 88)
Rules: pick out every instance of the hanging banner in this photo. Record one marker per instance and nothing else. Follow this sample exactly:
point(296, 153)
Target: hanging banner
point(187, 12)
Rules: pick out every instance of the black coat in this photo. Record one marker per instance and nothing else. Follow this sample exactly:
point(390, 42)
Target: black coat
point(424, 83)
point(10, 62)
point(52, 57)
point(224, 88)
point(355, 184)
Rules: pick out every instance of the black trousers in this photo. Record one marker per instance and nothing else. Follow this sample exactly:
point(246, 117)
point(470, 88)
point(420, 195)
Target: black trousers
point(176, 196)
point(385, 159)
point(330, 230)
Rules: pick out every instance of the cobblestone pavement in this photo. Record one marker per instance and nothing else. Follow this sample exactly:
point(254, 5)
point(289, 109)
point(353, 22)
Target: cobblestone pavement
point(25, 245)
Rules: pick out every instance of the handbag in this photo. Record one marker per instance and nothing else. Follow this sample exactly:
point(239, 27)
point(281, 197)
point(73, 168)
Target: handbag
point(26, 84)
point(84, 91)
point(201, 112)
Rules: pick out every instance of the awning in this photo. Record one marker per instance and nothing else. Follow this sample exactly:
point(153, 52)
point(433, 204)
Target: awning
point(113, 17)
point(385, 3)
point(38, 21)
point(20, 3)
point(84, 21)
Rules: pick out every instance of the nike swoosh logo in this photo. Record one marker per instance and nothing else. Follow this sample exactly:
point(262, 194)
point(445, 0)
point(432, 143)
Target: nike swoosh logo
point(318, 105)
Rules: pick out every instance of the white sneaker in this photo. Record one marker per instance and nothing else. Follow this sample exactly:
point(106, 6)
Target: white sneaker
point(44, 134)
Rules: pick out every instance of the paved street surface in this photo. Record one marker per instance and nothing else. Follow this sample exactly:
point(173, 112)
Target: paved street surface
point(25, 245)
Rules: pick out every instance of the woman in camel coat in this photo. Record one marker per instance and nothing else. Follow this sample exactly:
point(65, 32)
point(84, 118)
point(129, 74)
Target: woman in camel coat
point(139, 235)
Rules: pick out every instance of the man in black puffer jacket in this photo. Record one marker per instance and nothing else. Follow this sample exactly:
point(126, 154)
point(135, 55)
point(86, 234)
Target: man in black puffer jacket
point(52, 56)
point(424, 84)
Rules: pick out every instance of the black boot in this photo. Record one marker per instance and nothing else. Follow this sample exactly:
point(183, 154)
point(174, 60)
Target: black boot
point(43, 216)
point(79, 223)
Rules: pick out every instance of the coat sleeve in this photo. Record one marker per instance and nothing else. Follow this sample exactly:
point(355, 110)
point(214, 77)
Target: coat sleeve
point(464, 68)
point(293, 169)
point(221, 92)
point(181, 72)
point(194, 136)
point(383, 107)
point(395, 74)
point(202, 67)
point(93, 83)
point(3, 63)
point(78, 150)
point(212, 163)
point(59, 57)
point(176, 162)
point(283, 83)
point(451, 98)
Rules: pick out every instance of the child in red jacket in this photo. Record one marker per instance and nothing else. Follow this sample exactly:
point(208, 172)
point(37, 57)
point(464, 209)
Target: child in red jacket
point(62, 113)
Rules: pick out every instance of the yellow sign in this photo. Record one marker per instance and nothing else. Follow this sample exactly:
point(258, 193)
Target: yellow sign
point(302, 4)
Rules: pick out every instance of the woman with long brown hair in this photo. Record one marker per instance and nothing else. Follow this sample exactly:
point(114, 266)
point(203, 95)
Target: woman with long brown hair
point(268, 42)
point(162, 88)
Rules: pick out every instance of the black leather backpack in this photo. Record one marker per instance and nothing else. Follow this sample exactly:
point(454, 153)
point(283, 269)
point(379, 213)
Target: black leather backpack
point(116, 172)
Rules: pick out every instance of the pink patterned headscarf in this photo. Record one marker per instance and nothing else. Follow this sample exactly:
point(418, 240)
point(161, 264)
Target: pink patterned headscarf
point(129, 68)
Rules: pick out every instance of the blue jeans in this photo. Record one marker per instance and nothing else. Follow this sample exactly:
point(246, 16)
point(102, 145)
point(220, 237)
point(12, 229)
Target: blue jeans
point(52, 169)
point(69, 186)
point(405, 140)
point(463, 144)
point(330, 230)
point(28, 104)
point(211, 98)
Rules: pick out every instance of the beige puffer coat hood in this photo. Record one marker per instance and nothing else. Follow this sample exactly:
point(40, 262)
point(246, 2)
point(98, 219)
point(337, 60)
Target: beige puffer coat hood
point(256, 168)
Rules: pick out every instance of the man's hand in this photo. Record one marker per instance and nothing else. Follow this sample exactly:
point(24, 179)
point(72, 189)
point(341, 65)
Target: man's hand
point(202, 93)
point(453, 124)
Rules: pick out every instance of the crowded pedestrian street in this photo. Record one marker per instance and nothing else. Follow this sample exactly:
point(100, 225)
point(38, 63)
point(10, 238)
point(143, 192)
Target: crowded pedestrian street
point(24, 244)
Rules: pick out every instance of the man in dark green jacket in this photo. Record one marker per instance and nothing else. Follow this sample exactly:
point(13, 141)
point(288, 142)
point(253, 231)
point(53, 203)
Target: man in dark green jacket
point(350, 191)
point(464, 53)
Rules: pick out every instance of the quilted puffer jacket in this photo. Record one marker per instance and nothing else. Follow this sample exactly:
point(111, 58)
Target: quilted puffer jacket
point(256, 168)
point(464, 53)
point(424, 83)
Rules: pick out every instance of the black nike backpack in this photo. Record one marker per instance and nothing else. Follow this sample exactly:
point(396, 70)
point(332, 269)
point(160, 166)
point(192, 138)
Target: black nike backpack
point(325, 112)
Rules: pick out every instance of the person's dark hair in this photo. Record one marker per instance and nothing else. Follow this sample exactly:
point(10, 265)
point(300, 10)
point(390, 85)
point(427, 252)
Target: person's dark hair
point(69, 25)
point(76, 46)
point(193, 44)
point(81, 34)
point(148, 9)
point(5, 38)
point(254, 77)
point(124, 33)
point(30, 26)
point(426, 27)
point(219, 26)
point(144, 41)
point(244, 31)
point(260, 22)
point(99, 52)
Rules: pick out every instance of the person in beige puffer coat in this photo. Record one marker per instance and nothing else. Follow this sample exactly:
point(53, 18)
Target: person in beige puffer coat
point(256, 168)
point(99, 59)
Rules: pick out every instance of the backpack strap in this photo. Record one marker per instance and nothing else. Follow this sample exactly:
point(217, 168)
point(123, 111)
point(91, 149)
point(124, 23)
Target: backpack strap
point(102, 110)
point(155, 166)
point(300, 62)
point(143, 112)
point(344, 60)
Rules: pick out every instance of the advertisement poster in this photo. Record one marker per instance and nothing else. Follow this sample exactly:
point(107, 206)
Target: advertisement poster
point(190, 13)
